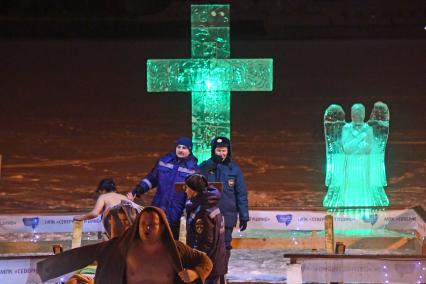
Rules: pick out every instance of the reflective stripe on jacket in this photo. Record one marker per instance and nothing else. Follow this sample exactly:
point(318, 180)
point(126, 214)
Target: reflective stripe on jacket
point(169, 170)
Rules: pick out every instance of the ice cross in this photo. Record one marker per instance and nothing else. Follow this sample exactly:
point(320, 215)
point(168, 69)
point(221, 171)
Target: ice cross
point(210, 75)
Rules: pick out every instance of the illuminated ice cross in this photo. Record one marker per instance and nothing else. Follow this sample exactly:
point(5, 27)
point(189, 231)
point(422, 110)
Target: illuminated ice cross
point(210, 75)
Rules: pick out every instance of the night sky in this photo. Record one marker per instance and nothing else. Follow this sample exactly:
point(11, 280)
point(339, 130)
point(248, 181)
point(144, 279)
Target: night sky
point(76, 110)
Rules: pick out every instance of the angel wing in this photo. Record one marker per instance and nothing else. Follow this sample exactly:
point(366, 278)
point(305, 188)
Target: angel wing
point(379, 121)
point(334, 120)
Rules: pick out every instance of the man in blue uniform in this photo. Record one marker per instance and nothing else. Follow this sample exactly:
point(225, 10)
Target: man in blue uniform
point(171, 168)
point(233, 201)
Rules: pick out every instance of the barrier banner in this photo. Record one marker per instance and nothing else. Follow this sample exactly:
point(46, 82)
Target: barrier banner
point(363, 270)
point(23, 271)
point(44, 224)
point(312, 220)
point(259, 219)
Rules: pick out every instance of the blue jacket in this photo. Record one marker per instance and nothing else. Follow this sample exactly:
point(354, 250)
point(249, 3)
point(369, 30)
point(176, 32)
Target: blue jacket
point(233, 201)
point(205, 228)
point(166, 172)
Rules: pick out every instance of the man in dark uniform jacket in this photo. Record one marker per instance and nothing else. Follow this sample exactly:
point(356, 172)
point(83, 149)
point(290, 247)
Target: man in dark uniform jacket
point(233, 201)
point(205, 225)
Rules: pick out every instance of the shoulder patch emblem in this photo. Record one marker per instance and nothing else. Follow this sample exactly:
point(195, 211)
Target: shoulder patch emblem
point(231, 182)
point(199, 226)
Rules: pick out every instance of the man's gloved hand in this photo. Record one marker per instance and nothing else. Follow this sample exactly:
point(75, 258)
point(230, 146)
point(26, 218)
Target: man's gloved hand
point(138, 190)
point(243, 225)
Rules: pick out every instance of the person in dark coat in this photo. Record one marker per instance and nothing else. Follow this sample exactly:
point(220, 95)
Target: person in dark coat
point(171, 168)
point(205, 225)
point(233, 202)
point(145, 253)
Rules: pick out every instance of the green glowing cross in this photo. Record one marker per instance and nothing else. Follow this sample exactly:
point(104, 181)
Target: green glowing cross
point(210, 75)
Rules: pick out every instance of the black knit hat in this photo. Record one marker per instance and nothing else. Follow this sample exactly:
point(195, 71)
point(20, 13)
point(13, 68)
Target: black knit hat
point(186, 141)
point(107, 184)
point(196, 182)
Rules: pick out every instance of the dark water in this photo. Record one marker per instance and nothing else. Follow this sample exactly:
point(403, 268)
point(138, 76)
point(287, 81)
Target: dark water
point(75, 111)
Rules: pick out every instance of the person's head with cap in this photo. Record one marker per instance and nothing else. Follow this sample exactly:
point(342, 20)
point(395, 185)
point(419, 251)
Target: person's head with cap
point(183, 147)
point(195, 184)
point(221, 150)
point(106, 185)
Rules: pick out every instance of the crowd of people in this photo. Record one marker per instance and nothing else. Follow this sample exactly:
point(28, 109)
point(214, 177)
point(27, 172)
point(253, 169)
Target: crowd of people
point(143, 244)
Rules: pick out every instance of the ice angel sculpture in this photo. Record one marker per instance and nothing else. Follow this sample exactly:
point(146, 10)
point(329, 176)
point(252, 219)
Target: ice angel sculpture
point(355, 151)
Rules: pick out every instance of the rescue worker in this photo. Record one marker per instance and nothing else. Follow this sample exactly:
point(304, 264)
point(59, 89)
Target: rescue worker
point(169, 169)
point(233, 203)
point(205, 228)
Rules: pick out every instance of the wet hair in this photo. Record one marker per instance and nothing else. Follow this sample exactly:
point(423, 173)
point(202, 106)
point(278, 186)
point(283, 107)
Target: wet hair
point(149, 209)
point(152, 211)
point(196, 182)
point(106, 184)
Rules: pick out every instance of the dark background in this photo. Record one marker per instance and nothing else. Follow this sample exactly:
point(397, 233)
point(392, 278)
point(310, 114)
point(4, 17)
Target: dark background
point(74, 105)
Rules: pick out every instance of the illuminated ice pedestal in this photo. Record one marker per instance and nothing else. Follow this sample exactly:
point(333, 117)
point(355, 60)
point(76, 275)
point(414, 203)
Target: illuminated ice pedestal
point(209, 75)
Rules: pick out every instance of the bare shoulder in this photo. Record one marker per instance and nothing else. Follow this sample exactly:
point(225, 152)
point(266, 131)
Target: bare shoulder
point(113, 197)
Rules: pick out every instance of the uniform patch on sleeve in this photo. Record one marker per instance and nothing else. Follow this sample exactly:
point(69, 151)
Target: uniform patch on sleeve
point(231, 182)
point(199, 227)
